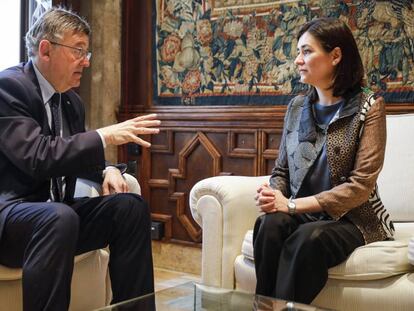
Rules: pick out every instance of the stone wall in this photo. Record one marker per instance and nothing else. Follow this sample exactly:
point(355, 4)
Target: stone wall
point(101, 83)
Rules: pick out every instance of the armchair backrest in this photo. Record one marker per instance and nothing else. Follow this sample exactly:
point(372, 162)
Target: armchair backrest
point(396, 180)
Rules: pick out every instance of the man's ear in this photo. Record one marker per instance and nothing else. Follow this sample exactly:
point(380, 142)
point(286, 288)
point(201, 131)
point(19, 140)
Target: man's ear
point(336, 54)
point(44, 50)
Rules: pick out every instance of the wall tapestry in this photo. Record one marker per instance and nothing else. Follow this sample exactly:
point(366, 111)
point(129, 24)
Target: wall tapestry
point(241, 52)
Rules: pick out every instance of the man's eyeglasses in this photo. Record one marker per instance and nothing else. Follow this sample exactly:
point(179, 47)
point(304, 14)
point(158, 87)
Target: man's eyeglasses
point(79, 52)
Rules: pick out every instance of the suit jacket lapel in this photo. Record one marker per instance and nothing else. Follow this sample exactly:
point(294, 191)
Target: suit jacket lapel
point(307, 130)
point(39, 111)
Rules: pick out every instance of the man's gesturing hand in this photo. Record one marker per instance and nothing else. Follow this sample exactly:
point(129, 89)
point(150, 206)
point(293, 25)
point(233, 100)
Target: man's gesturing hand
point(127, 131)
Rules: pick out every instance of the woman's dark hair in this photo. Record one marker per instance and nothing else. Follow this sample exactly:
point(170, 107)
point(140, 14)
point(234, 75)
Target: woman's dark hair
point(332, 33)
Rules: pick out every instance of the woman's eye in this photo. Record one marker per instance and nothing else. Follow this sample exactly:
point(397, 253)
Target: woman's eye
point(305, 52)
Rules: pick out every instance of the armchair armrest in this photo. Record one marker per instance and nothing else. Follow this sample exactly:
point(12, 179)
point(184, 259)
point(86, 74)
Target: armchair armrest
point(88, 188)
point(224, 207)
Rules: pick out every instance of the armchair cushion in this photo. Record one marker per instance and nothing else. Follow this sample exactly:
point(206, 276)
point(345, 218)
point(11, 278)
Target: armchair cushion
point(373, 261)
point(247, 246)
point(89, 285)
point(377, 260)
point(12, 274)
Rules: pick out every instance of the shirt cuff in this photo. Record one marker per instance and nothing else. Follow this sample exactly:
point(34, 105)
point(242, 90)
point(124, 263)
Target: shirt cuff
point(102, 138)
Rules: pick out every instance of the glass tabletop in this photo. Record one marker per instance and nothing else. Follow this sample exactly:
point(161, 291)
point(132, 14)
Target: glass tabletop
point(192, 296)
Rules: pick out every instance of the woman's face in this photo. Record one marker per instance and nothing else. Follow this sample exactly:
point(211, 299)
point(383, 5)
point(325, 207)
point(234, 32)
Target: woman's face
point(316, 66)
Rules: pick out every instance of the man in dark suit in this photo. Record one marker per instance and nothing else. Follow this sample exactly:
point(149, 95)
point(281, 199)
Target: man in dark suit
point(43, 149)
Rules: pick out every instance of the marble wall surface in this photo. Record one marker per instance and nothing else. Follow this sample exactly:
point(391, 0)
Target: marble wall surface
point(101, 83)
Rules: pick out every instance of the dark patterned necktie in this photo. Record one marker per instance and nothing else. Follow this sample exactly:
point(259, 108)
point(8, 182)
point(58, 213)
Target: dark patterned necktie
point(57, 182)
point(54, 107)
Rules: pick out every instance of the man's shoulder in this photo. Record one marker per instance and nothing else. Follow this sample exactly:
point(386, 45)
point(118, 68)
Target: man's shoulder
point(15, 71)
point(15, 76)
point(73, 95)
point(19, 90)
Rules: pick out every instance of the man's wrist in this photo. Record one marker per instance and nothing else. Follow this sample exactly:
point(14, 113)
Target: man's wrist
point(110, 167)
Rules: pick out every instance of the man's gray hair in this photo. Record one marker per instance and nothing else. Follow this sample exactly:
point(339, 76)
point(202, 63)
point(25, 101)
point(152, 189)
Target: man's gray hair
point(52, 25)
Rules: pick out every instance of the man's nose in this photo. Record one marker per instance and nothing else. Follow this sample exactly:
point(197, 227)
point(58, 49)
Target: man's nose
point(85, 62)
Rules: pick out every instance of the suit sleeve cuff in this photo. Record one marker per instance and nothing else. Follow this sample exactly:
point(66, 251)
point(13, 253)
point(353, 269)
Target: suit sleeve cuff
point(102, 138)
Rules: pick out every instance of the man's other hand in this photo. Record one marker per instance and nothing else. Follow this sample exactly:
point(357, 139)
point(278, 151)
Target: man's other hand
point(114, 182)
point(127, 131)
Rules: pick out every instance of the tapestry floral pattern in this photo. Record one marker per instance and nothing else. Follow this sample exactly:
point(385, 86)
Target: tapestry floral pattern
point(247, 56)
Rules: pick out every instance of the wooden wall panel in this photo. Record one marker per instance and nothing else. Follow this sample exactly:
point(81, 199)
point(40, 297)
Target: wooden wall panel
point(194, 145)
point(194, 155)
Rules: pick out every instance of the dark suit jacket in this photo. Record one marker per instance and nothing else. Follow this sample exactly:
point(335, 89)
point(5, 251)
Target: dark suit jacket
point(29, 155)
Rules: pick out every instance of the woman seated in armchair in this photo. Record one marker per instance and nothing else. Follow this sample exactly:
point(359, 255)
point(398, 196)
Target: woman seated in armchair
point(322, 202)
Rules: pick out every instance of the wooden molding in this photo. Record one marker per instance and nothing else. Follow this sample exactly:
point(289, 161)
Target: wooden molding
point(167, 147)
point(167, 220)
point(181, 173)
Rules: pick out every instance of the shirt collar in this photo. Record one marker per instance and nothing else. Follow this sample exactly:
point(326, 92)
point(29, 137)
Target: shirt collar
point(45, 87)
point(307, 130)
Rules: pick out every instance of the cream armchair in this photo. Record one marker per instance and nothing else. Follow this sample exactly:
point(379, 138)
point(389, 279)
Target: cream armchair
point(90, 282)
point(377, 276)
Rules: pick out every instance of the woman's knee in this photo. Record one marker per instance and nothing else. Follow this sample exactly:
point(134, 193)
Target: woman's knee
point(275, 220)
point(272, 226)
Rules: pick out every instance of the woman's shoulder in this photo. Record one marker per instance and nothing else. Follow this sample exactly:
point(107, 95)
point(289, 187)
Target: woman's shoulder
point(370, 102)
point(294, 108)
